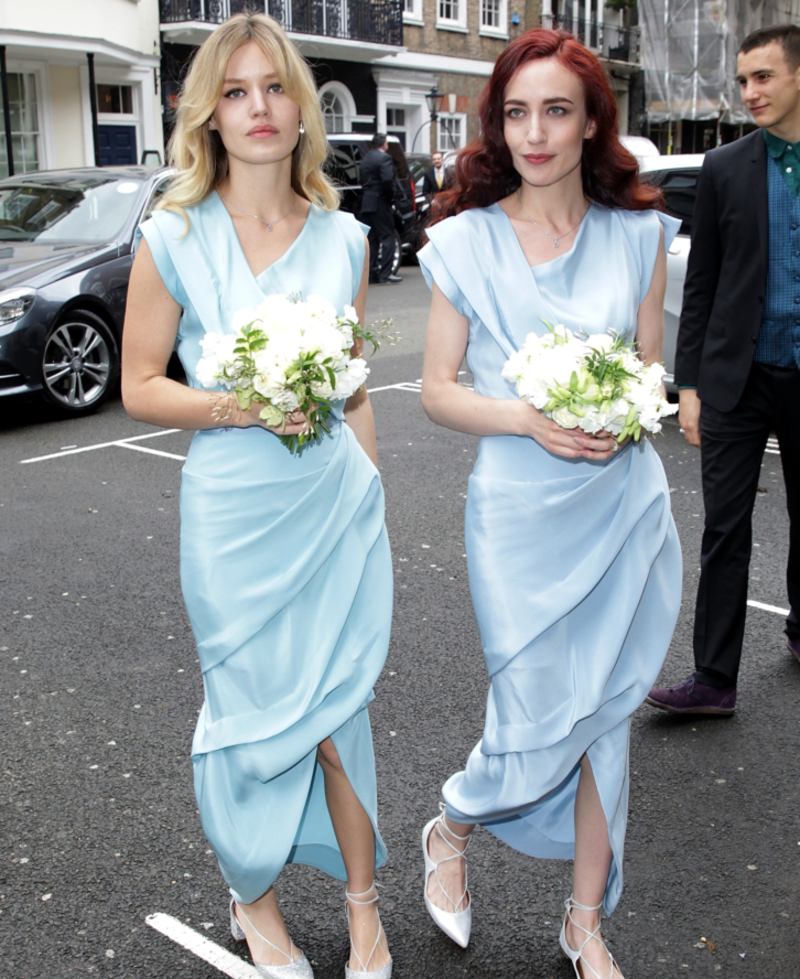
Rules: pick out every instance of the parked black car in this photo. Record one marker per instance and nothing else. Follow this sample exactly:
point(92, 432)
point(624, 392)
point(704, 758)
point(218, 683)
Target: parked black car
point(347, 152)
point(65, 261)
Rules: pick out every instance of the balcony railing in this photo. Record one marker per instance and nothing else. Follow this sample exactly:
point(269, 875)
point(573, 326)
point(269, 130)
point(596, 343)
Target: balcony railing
point(608, 40)
point(377, 21)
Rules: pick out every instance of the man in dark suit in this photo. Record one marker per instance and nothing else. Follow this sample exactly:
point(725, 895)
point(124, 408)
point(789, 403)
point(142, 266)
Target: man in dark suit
point(737, 358)
point(435, 177)
point(378, 188)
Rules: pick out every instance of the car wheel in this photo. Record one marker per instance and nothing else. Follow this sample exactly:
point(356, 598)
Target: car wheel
point(80, 363)
point(397, 258)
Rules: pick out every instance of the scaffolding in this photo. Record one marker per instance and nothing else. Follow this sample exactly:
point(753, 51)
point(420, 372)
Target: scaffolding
point(689, 54)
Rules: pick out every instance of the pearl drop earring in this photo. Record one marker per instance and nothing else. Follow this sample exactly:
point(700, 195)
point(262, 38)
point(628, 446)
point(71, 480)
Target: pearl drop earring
point(302, 127)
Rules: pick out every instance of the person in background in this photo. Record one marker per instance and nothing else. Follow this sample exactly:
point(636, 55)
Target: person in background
point(377, 176)
point(737, 359)
point(435, 177)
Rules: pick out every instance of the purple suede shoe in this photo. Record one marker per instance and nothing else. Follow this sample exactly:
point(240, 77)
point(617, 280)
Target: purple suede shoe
point(794, 648)
point(694, 697)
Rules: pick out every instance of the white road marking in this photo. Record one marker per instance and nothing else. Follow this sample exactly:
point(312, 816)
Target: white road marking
point(100, 445)
point(204, 949)
point(154, 452)
point(772, 447)
point(414, 386)
point(768, 608)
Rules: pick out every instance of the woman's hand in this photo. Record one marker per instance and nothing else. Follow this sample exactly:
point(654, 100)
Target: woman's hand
point(295, 423)
point(570, 443)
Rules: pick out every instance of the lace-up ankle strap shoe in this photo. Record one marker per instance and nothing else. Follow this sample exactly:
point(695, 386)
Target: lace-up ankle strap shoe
point(694, 697)
point(384, 972)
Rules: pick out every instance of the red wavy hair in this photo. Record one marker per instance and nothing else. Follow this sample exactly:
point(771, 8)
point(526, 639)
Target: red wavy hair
point(484, 170)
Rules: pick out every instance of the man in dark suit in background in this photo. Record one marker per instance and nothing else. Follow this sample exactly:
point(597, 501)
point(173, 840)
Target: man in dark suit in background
point(737, 358)
point(377, 177)
point(435, 177)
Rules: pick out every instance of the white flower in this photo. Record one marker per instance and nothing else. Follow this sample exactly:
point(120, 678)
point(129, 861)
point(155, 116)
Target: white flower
point(565, 419)
point(552, 373)
point(218, 354)
point(302, 358)
point(600, 341)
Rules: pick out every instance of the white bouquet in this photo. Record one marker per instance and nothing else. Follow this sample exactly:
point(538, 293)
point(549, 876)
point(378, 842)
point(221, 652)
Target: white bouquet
point(595, 383)
point(289, 355)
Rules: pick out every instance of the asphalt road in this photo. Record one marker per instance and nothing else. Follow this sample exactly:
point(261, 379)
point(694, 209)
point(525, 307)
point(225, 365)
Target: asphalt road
point(100, 691)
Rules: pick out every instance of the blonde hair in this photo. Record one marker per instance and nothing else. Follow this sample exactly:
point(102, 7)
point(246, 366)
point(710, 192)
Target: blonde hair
point(198, 153)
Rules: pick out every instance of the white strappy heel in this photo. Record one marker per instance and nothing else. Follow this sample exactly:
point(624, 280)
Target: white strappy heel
point(576, 956)
point(385, 972)
point(455, 924)
point(299, 968)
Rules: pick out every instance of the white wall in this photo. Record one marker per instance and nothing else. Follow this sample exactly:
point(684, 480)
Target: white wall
point(67, 118)
point(123, 22)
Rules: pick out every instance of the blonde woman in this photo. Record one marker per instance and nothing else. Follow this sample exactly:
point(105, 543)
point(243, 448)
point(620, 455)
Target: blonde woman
point(285, 562)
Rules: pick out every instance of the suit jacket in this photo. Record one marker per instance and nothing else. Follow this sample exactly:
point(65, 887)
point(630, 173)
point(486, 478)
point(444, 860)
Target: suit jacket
point(377, 177)
point(726, 276)
point(429, 181)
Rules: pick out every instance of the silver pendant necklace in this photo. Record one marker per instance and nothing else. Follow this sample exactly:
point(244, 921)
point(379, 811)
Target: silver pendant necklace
point(269, 224)
point(556, 241)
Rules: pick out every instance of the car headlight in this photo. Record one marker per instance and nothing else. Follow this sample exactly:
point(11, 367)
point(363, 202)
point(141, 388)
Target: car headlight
point(15, 303)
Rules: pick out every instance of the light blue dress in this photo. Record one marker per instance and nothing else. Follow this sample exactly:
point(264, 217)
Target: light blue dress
point(574, 566)
point(285, 569)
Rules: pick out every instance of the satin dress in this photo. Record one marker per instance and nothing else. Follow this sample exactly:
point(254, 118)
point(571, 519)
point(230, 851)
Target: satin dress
point(285, 569)
point(574, 566)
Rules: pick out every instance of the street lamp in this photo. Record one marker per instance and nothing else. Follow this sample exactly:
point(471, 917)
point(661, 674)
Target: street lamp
point(434, 101)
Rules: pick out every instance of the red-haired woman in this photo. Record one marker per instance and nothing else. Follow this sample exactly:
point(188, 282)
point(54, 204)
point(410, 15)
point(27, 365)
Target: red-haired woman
point(573, 558)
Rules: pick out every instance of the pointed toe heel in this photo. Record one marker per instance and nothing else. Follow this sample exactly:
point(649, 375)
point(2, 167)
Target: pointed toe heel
point(455, 924)
point(585, 971)
point(299, 968)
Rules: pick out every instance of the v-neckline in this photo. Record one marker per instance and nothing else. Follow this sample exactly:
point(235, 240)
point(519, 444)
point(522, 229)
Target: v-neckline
point(557, 258)
point(257, 277)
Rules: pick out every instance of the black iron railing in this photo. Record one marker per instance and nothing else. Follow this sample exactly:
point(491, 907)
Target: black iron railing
point(608, 40)
point(379, 21)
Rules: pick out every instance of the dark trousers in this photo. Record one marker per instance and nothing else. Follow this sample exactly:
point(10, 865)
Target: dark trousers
point(381, 243)
point(732, 450)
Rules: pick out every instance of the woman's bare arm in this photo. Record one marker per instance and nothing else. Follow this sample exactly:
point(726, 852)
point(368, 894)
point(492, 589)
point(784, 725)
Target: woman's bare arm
point(650, 319)
point(357, 409)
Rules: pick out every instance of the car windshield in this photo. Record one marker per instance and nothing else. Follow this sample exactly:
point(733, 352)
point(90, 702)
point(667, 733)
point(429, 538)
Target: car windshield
point(92, 209)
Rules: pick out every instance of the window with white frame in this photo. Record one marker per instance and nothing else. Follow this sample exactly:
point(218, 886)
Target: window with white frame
point(333, 112)
point(451, 131)
point(25, 124)
point(412, 11)
point(451, 14)
point(115, 99)
point(494, 17)
point(338, 107)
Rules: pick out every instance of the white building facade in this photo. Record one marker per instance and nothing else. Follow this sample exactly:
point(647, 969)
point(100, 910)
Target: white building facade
point(52, 48)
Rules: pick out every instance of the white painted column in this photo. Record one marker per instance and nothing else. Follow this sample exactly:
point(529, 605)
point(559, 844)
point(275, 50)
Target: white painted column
point(600, 15)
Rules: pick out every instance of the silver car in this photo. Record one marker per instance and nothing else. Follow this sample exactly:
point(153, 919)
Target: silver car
point(677, 177)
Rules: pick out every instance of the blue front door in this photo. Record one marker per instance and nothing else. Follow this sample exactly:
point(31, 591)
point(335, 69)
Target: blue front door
point(117, 145)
